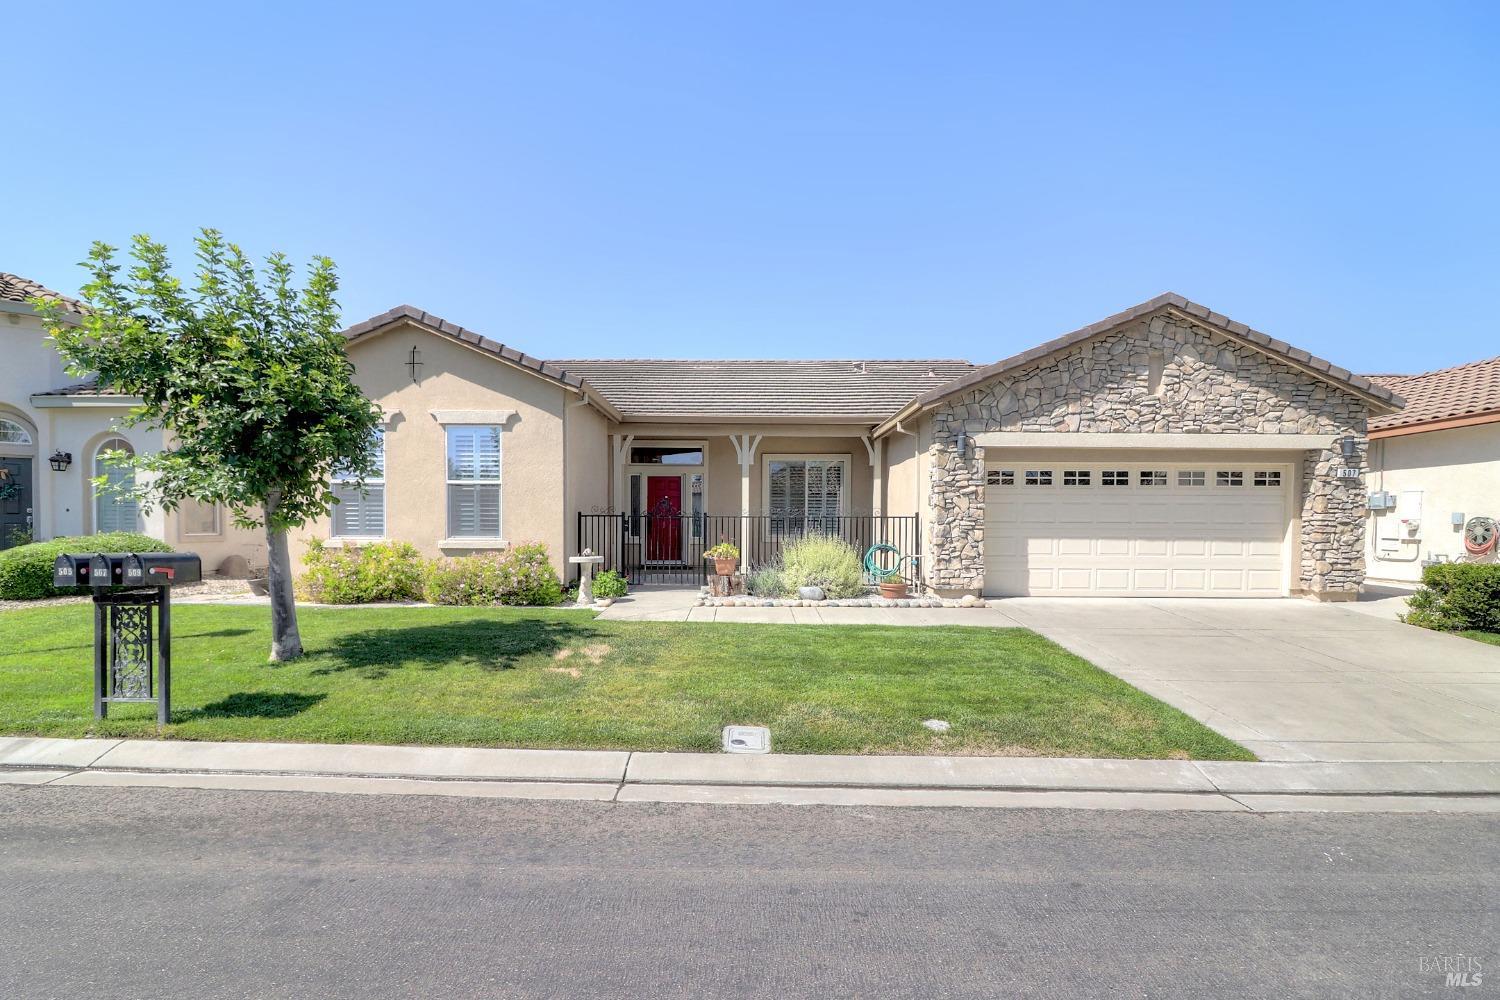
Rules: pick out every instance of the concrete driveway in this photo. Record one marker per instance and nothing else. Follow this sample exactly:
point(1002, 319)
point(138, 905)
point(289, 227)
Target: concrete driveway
point(1290, 679)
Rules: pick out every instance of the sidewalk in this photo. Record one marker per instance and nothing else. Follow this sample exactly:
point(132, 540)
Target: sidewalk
point(619, 776)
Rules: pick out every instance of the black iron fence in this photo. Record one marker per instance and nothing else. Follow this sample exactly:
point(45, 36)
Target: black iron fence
point(668, 548)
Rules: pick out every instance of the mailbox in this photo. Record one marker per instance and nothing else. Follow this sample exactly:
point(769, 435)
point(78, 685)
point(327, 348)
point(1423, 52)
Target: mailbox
point(161, 569)
point(70, 571)
point(132, 653)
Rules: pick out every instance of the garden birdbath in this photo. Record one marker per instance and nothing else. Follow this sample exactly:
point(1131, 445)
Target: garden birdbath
point(586, 564)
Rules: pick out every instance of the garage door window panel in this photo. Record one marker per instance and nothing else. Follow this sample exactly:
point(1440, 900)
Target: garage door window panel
point(1039, 477)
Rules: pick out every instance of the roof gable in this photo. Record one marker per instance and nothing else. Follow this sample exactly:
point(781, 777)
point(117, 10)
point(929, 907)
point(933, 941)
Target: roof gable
point(1377, 395)
point(437, 326)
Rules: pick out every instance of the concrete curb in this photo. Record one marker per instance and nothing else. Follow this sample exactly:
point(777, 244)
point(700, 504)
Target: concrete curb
point(619, 776)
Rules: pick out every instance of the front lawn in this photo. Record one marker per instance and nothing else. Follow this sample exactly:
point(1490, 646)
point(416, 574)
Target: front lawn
point(524, 678)
point(1493, 638)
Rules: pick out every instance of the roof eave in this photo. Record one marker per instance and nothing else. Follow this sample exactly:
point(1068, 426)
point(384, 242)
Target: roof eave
point(1439, 424)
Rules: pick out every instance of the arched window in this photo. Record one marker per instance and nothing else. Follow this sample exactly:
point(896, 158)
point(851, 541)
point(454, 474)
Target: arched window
point(112, 511)
point(13, 433)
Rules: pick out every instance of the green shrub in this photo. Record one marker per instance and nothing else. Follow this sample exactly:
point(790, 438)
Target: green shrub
point(610, 584)
point(823, 561)
point(522, 575)
point(26, 570)
point(768, 580)
point(361, 574)
point(1457, 597)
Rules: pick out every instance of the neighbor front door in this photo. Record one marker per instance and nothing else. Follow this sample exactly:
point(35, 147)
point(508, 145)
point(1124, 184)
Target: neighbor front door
point(15, 501)
point(664, 518)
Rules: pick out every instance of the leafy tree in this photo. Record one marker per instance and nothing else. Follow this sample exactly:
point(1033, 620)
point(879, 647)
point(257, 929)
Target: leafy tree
point(247, 379)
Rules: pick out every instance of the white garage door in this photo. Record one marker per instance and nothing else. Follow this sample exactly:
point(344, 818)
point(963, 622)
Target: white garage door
point(1066, 527)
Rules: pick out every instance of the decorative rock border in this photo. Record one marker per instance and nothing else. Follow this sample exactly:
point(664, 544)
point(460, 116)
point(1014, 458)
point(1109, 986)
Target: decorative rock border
point(969, 601)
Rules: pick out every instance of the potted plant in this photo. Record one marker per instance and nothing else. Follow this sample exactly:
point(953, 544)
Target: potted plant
point(725, 555)
point(892, 588)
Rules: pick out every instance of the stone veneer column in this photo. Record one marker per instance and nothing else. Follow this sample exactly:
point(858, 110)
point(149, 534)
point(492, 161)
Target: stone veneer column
point(1333, 526)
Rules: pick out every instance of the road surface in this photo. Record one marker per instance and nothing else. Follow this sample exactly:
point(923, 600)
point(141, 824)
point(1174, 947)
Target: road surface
point(206, 894)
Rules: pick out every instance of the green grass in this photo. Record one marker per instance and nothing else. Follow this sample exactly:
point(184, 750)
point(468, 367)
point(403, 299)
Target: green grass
point(1493, 638)
point(523, 678)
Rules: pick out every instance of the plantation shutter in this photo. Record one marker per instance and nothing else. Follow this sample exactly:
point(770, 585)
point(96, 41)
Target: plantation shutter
point(360, 512)
point(114, 512)
point(474, 482)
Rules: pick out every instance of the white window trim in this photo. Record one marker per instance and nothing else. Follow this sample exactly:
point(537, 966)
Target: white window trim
point(453, 541)
point(385, 512)
point(27, 441)
point(94, 492)
point(765, 476)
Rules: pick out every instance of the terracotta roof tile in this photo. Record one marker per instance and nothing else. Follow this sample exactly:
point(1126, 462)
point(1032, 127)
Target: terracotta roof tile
point(1469, 390)
point(14, 288)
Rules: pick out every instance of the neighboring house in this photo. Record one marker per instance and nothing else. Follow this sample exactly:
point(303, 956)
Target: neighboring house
point(1164, 451)
point(52, 435)
point(1439, 459)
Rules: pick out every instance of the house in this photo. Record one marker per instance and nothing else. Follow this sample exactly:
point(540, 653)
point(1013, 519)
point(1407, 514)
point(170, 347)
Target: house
point(1163, 451)
point(53, 431)
point(1433, 466)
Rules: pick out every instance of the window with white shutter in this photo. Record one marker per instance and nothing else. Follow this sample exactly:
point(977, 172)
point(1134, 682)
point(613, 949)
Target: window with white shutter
point(474, 482)
point(805, 494)
point(360, 512)
point(114, 507)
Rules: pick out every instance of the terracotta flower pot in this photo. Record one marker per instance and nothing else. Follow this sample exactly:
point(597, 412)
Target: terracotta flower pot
point(725, 567)
point(893, 590)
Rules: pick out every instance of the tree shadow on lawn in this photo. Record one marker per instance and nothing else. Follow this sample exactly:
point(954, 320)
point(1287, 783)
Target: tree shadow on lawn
point(253, 705)
point(489, 645)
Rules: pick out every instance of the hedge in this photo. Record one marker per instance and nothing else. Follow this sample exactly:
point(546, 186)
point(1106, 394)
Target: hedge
point(1457, 597)
point(26, 570)
point(363, 574)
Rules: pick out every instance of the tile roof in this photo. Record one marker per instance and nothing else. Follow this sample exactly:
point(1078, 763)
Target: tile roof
point(14, 288)
point(1471, 390)
point(89, 387)
point(863, 391)
point(1199, 314)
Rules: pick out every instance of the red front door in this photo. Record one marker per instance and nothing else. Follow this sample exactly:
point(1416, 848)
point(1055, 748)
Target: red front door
point(663, 518)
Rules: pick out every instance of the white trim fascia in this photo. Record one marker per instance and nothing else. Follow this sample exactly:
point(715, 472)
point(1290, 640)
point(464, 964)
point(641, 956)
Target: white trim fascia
point(497, 418)
point(1139, 440)
point(26, 309)
point(79, 402)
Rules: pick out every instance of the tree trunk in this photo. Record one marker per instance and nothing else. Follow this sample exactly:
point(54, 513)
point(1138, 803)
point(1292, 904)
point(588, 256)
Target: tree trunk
point(286, 640)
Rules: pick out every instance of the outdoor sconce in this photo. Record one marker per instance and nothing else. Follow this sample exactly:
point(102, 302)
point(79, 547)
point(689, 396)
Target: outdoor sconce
point(961, 444)
point(60, 460)
point(1347, 447)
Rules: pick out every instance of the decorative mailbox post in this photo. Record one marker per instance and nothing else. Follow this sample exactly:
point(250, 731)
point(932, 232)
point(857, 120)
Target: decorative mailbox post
point(126, 587)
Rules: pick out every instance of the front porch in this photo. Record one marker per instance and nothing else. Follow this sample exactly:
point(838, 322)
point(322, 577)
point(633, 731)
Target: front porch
point(665, 547)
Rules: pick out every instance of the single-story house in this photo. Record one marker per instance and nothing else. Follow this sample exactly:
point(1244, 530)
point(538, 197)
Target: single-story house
point(1433, 466)
point(1163, 451)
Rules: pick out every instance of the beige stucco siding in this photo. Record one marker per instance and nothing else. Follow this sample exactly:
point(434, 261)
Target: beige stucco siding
point(458, 378)
point(1456, 471)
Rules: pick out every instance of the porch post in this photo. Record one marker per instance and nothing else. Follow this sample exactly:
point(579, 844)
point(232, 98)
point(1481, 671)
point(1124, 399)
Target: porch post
point(744, 450)
point(620, 445)
point(876, 450)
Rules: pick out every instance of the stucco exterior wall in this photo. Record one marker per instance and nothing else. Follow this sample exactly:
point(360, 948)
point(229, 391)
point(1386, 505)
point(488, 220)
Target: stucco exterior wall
point(586, 472)
point(1456, 471)
point(455, 377)
point(1157, 374)
point(63, 503)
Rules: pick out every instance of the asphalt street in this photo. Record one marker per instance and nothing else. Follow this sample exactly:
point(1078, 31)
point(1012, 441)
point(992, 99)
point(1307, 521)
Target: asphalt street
point(207, 894)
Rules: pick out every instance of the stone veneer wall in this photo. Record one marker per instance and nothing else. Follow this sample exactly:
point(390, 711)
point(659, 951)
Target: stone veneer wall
point(1206, 384)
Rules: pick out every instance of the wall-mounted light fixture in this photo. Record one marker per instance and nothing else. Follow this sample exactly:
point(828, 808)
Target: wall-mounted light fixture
point(60, 460)
point(961, 444)
point(1348, 446)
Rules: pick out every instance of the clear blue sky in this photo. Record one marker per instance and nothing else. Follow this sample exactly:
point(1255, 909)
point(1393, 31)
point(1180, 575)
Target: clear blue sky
point(791, 179)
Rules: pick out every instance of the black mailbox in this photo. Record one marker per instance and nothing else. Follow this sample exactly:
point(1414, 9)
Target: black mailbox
point(70, 571)
point(106, 570)
point(161, 569)
point(132, 655)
